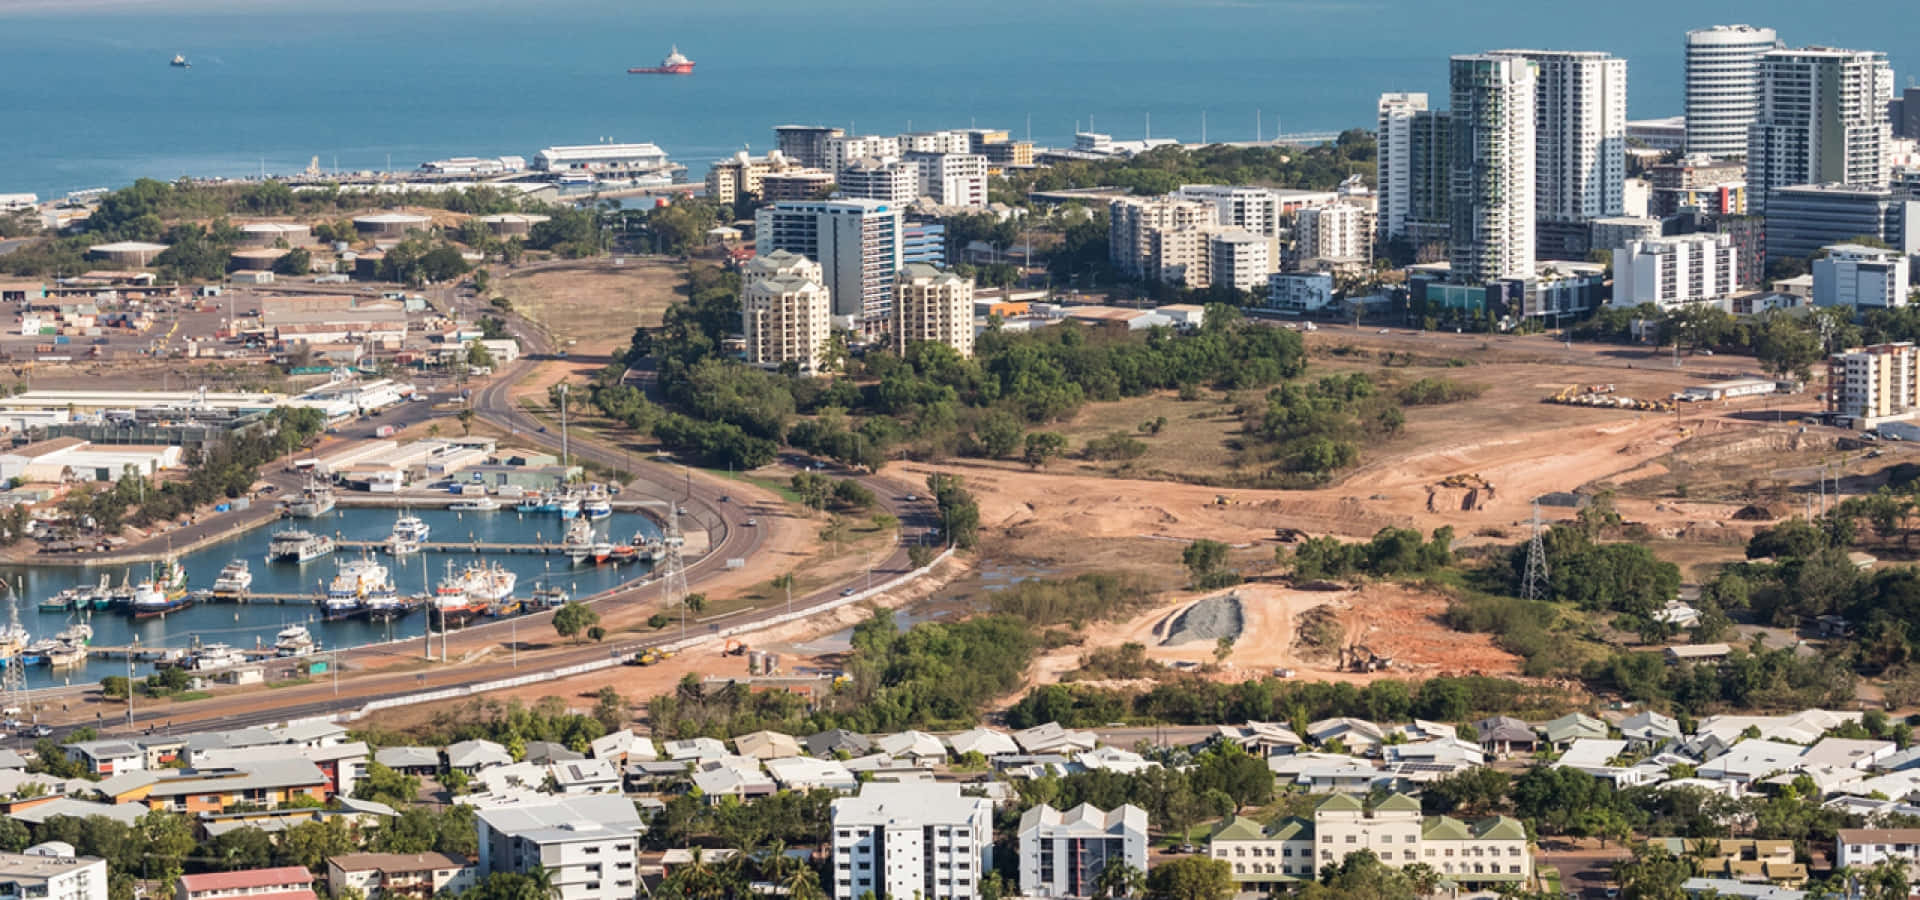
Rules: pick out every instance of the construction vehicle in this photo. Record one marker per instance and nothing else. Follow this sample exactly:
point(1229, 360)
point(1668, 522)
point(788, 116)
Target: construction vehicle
point(1289, 535)
point(652, 655)
point(1222, 500)
point(733, 647)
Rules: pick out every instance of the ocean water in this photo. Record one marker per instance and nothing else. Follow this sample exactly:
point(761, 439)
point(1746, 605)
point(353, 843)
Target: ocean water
point(87, 99)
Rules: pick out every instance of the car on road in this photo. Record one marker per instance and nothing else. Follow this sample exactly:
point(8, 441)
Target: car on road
point(1386, 331)
point(753, 523)
point(911, 498)
point(1188, 848)
point(725, 498)
point(846, 592)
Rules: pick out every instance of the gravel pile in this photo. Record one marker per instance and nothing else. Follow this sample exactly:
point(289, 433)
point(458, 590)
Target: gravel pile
point(1208, 620)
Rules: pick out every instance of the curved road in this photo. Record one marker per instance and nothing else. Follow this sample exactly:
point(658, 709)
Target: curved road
point(704, 497)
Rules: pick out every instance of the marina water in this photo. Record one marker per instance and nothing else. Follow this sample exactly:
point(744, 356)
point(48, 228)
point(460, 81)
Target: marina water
point(247, 625)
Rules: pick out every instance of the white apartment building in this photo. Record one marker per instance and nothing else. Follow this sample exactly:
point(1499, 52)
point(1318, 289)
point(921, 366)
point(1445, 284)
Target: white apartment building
point(1062, 853)
point(1671, 272)
point(936, 142)
point(1240, 260)
point(1134, 221)
point(911, 840)
point(786, 312)
point(893, 181)
point(1874, 384)
point(931, 305)
point(1861, 277)
point(856, 242)
point(1300, 292)
point(840, 151)
point(1340, 233)
point(1859, 849)
point(1492, 167)
point(951, 179)
point(1822, 120)
point(1723, 86)
point(1258, 210)
point(1614, 232)
point(1395, 159)
point(587, 845)
point(1579, 145)
point(51, 871)
point(1479, 854)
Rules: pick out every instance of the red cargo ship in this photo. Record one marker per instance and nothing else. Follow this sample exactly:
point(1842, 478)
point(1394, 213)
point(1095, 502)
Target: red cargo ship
point(674, 64)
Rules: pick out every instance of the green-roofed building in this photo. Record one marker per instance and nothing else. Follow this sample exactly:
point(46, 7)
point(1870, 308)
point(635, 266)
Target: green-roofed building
point(1472, 853)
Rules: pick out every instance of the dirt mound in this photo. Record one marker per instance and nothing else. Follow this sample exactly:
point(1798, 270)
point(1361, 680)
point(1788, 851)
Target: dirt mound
point(1208, 620)
point(1320, 632)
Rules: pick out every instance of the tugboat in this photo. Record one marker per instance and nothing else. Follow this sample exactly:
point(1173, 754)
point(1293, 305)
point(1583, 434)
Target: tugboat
point(315, 500)
point(409, 533)
point(297, 545)
point(293, 640)
point(674, 64)
point(234, 580)
point(164, 593)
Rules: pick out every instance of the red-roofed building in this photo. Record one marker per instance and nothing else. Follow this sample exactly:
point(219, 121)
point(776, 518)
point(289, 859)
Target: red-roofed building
point(279, 883)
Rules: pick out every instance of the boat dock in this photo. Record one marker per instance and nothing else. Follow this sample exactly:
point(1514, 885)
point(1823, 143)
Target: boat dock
point(537, 549)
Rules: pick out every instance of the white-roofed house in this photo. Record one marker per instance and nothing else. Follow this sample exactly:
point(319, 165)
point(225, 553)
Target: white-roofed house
point(1052, 738)
point(1261, 738)
point(917, 746)
point(472, 756)
point(1356, 735)
point(585, 776)
point(1650, 729)
point(1752, 760)
point(1443, 751)
point(1114, 759)
point(1849, 752)
point(701, 748)
point(739, 777)
point(984, 741)
point(805, 773)
point(623, 746)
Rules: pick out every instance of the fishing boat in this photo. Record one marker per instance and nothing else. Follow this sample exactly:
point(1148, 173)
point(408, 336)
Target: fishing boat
point(235, 580)
point(352, 584)
point(623, 553)
point(216, 656)
point(64, 600)
point(78, 633)
point(452, 604)
point(67, 656)
point(315, 500)
point(602, 551)
point(36, 652)
point(156, 597)
point(120, 597)
point(597, 504)
point(172, 579)
point(548, 597)
point(579, 540)
point(531, 502)
point(293, 640)
point(298, 545)
point(13, 639)
point(383, 601)
point(569, 505)
point(409, 535)
point(101, 596)
point(481, 503)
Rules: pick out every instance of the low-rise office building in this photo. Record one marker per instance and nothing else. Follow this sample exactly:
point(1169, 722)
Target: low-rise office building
point(1479, 854)
point(1861, 277)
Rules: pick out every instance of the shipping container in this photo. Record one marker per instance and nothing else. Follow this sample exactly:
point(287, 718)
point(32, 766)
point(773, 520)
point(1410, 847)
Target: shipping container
point(383, 431)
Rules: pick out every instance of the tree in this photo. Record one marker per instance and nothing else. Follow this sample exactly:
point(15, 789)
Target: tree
point(610, 709)
point(385, 785)
point(478, 356)
point(1191, 878)
point(1652, 873)
point(573, 619)
point(1785, 347)
point(1043, 446)
point(1118, 881)
point(243, 848)
point(785, 582)
point(1476, 791)
point(466, 421)
point(294, 262)
point(1205, 561)
point(14, 836)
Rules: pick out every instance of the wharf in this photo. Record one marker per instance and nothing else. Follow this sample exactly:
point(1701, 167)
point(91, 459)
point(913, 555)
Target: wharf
point(140, 653)
point(537, 549)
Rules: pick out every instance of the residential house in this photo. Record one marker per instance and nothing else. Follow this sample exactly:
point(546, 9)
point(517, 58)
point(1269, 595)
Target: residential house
point(623, 746)
point(1863, 848)
point(1114, 759)
point(1063, 853)
point(1572, 727)
point(545, 753)
point(409, 760)
point(393, 876)
point(472, 756)
point(1448, 751)
point(1650, 729)
point(738, 777)
point(837, 742)
point(585, 776)
point(697, 749)
point(107, 757)
point(1261, 738)
point(986, 742)
point(1849, 752)
point(804, 773)
point(767, 745)
point(1358, 736)
point(1051, 738)
point(1803, 727)
point(1752, 760)
point(1505, 735)
point(1740, 860)
point(917, 746)
point(268, 783)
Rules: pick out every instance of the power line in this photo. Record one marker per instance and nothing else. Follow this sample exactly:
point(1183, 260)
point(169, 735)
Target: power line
point(1533, 585)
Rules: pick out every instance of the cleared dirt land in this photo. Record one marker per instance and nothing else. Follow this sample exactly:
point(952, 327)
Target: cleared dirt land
point(595, 303)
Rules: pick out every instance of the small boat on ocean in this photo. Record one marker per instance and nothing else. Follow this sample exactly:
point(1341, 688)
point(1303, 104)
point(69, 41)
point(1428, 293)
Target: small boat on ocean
point(409, 535)
point(293, 640)
point(179, 62)
point(481, 503)
point(234, 580)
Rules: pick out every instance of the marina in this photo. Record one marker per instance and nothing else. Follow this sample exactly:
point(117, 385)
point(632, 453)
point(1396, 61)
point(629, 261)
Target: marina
point(233, 593)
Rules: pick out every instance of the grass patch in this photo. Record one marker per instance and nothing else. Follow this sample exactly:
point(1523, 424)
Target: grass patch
point(185, 696)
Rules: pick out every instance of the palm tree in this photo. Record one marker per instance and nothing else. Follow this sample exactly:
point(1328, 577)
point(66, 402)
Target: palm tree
point(1425, 878)
point(1118, 880)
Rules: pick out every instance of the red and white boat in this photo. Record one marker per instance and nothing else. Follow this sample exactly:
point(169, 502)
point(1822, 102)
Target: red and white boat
point(674, 64)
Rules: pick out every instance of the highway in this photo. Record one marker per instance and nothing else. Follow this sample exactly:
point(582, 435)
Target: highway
point(706, 498)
